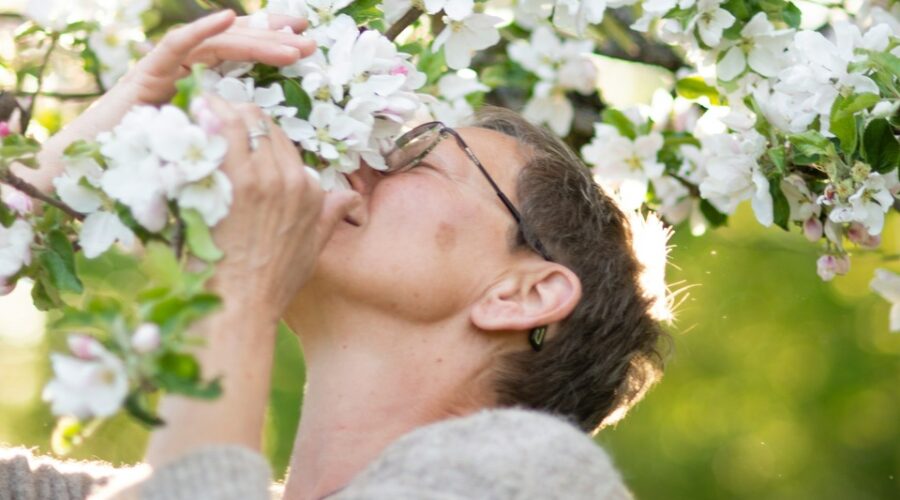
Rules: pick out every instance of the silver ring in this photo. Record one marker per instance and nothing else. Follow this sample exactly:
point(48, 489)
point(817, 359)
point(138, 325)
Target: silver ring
point(261, 130)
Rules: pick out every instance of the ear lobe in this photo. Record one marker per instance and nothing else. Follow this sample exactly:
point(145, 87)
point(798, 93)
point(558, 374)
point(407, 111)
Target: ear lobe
point(537, 297)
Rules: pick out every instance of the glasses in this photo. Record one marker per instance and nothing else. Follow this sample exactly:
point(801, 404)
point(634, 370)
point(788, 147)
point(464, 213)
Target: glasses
point(412, 147)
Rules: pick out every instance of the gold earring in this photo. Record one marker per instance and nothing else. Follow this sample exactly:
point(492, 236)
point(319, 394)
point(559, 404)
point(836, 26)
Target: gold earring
point(536, 337)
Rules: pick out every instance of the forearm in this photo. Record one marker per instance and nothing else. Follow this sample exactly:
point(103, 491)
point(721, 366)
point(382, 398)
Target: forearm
point(239, 348)
point(102, 115)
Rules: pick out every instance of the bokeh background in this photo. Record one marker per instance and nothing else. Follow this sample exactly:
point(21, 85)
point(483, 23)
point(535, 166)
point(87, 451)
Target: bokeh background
point(780, 386)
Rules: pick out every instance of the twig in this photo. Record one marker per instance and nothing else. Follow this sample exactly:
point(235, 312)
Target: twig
point(59, 95)
point(23, 186)
point(178, 237)
point(692, 188)
point(402, 23)
point(40, 81)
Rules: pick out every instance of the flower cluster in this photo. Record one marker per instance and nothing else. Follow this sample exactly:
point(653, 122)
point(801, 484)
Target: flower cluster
point(560, 66)
point(465, 30)
point(116, 29)
point(573, 16)
point(153, 157)
point(359, 90)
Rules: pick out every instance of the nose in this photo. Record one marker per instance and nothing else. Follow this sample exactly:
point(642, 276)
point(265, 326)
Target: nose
point(363, 180)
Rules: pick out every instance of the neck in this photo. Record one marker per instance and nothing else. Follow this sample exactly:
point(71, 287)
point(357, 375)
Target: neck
point(360, 396)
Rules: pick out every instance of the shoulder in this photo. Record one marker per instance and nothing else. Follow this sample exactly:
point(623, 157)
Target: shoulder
point(507, 453)
point(25, 475)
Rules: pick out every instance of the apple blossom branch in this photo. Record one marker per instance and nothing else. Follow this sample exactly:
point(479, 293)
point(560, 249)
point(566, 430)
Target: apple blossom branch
point(11, 179)
point(408, 18)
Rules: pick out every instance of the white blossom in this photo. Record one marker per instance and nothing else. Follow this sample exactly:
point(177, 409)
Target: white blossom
point(887, 284)
point(761, 47)
point(829, 266)
point(550, 105)
point(461, 38)
point(15, 247)
point(16, 200)
point(623, 164)
point(101, 230)
point(867, 205)
point(211, 197)
point(71, 191)
point(711, 21)
point(733, 174)
point(87, 388)
point(450, 106)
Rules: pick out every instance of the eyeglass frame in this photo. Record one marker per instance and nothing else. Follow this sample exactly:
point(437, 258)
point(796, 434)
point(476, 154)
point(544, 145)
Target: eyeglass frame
point(537, 335)
point(443, 130)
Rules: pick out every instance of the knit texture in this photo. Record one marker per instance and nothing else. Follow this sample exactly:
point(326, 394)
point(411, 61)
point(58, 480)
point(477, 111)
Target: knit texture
point(493, 454)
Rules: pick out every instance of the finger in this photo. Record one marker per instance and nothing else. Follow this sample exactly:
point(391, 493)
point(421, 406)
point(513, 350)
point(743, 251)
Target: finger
point(235, 47)
point(176, 44)
point(235, 132)
point(337, 205)
point(290, 39)
point(263, 165)
point(277, 22)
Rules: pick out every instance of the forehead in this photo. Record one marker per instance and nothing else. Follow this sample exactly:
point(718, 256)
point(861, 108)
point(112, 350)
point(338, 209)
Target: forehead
point(502, 156)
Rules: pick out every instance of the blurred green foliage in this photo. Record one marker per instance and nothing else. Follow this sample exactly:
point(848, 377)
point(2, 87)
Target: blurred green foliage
point(780, 386)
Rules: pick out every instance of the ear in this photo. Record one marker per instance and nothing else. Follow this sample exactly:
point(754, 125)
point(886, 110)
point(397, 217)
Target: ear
point(536, 296)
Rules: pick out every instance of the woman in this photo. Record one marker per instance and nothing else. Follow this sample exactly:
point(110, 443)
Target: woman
point(484, 271)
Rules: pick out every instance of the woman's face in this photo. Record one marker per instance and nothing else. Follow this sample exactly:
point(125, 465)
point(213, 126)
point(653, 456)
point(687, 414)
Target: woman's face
point(430, 240)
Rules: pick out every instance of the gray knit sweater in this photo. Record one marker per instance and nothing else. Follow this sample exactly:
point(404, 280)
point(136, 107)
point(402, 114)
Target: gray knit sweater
point(493, 454)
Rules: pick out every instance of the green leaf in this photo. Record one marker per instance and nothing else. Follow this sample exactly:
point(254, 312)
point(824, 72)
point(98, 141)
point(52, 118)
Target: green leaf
point(174, 314)
point(161, 265)
point(43, 296)
point(432, 64)
point(791, 15)
point(363, 11)
point(694, 87)
point(188, 87)
point(296, 97)
point(738, 8)
point(843, 124)
point(138, 407)
point(199, 238)
point(82, 149)
point(193, 389)
point(780, 206)
point(887, 62)
point(880, 147)
point(712, 214)
point(777, 157)
point(618, 119)
point(113, 272)
point(58, 259)
point(181, 365)
point(7, 216)
point(78, 320)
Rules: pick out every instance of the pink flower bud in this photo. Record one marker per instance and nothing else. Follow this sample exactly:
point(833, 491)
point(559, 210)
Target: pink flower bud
point(5, 130)
point(400, 70)
point(813, 229)
point(84, 346)
point(6, 288)
point(16, 200)
point(205, 117)
point(146, 338)
point(828, 266)
point(857, 233)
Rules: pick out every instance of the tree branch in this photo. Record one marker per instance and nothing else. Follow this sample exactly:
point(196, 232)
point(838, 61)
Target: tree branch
point(26, 120)
point(18, 183)
point(402, 23)
point(59, 95)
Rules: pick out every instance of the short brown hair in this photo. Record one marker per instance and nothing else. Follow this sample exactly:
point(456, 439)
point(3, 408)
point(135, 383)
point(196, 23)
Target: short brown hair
point(602, 358)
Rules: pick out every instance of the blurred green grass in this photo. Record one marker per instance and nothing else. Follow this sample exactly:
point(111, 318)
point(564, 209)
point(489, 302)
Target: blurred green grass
point(780, 386)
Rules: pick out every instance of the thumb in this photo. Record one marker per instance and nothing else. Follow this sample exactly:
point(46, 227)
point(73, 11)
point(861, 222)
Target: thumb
point(336, 206)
